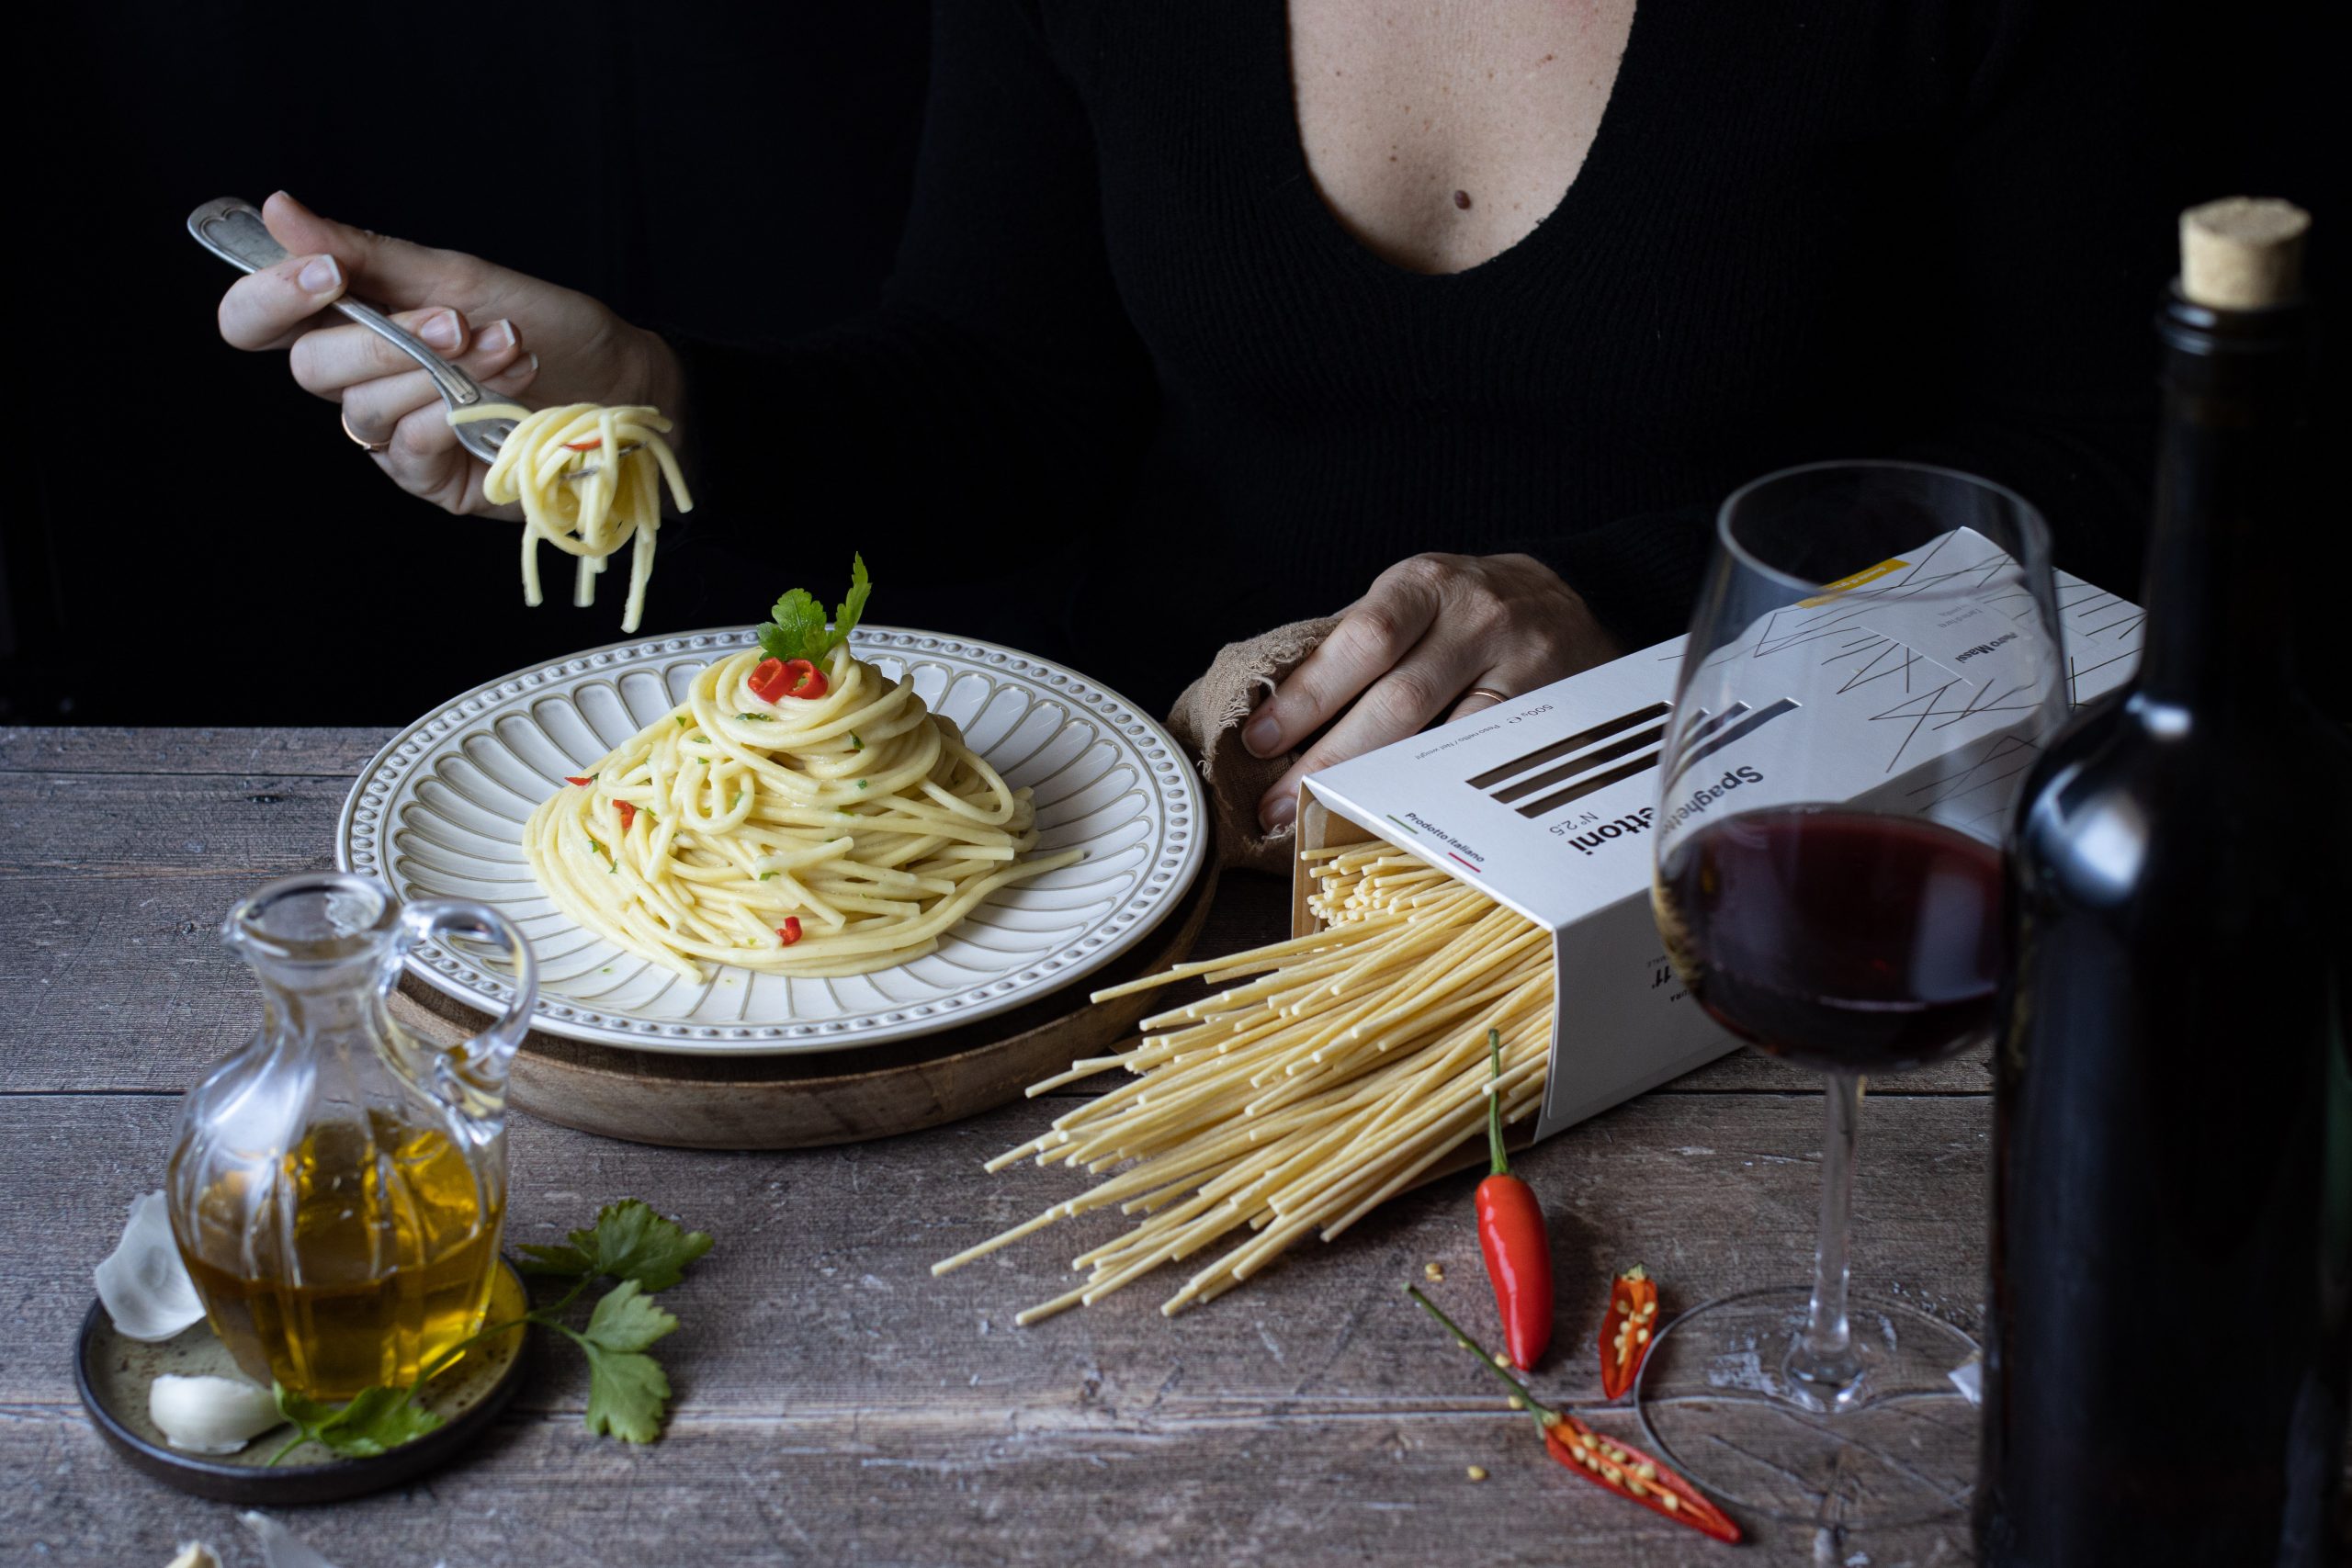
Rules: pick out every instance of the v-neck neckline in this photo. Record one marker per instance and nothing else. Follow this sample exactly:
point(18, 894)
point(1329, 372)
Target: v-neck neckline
point(1624, 94)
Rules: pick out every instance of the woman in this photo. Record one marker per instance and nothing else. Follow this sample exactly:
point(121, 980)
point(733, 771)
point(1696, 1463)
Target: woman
point(1461, 315)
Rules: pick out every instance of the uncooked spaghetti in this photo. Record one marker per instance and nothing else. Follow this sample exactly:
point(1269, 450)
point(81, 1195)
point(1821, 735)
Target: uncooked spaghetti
point(1352, 1067)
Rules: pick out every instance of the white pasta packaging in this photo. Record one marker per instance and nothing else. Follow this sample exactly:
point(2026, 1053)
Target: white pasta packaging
point(1549, 803)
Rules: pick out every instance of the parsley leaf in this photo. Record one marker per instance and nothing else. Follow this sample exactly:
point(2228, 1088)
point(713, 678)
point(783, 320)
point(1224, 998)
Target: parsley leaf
point(376, 1420)
point(628, 1320)
point(797, 627)
point(846, 617)
point(628, 1393)
point(629, 1241)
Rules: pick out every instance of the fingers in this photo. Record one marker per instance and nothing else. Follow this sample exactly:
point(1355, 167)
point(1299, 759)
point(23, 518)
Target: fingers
point(383, 408)
point(1477, 701)
point(266, 309)
point(371, 406)
point(1375, 632)
point(326, 359)
point(1397, 704)
point(392, 273)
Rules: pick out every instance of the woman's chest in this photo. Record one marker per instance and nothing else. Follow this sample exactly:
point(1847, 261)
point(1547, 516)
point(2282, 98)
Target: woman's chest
point(1439, 135)
point(1720, 211)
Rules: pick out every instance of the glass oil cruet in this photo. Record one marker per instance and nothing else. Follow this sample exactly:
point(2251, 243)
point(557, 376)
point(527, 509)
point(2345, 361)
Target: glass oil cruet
point(338, 1184)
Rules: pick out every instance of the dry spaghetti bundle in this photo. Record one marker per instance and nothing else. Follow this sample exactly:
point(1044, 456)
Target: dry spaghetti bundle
point(1351, 1067)
point(590, 482)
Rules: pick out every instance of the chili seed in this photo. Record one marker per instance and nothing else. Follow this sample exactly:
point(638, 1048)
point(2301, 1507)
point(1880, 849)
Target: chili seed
point(1478, 1473)
point(1669, 1499)
point(1433, 1273)
point(1502, 1360)
point(1643, 1338)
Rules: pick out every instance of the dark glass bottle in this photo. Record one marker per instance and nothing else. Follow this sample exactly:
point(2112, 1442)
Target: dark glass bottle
point(2172, 1193)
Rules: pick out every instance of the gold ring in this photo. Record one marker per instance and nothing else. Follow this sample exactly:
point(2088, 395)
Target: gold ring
point(345, 420)
point(1490, 693)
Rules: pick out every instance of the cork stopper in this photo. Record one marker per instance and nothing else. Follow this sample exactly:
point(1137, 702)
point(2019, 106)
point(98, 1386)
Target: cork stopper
point(2243, 253)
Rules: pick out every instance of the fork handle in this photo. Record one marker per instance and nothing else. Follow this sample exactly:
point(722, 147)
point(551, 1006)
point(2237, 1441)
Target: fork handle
point(234, 231)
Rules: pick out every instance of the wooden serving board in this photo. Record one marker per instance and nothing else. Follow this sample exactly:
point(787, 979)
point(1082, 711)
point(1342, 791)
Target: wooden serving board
point(808, 1099)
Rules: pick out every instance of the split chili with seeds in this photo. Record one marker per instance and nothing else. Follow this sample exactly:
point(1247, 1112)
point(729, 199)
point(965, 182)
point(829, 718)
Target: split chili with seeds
point(1511, 1235)
point(1610, 1465)
point(1627, 1331)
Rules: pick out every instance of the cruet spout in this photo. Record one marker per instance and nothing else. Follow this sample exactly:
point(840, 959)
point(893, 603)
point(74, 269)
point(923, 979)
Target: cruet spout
point(471, 1076)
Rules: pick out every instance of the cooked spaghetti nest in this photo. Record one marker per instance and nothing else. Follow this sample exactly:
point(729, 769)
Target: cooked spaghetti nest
point(584, 489)
point(859, 814)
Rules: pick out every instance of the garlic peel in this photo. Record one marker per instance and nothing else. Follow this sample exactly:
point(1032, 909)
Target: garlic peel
point(142, 1283)
point(281, 1548)
point(209, 1415)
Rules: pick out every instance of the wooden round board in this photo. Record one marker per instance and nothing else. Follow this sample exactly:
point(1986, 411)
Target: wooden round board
point(807, 1100)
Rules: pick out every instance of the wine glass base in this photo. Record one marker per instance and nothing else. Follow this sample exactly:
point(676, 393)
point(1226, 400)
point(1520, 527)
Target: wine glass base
point(1900, 1450)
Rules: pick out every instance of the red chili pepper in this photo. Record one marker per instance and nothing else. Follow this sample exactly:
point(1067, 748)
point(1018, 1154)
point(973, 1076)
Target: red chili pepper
point(629, 813)
point(579, 780)
point(588, 446)
point(1609, 1464)
point(790, 930)
point(1627, 1331)
point(1511, 1235)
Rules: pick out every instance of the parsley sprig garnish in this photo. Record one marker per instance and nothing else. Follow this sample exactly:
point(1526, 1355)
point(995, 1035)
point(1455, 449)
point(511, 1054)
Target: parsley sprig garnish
point(798, 629)
point(628, 1392)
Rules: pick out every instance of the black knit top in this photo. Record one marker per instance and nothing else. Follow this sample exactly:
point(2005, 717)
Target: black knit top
point(1133, 392)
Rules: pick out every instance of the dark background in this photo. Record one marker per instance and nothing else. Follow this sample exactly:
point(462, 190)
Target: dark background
point(201, 544)
point(205, 546)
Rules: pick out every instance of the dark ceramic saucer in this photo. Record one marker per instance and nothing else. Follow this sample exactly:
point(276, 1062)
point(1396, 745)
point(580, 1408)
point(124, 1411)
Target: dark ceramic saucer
point(112, 1373)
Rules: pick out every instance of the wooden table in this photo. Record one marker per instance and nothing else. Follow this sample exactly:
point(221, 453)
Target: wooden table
point(834, 1401)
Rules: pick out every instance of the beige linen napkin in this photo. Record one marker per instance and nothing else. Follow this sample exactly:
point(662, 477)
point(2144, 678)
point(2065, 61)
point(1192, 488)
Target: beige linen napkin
point(1208, 718)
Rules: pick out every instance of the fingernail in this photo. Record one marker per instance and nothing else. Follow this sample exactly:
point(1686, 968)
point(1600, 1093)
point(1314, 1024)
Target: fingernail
point(1278, 813)
point(1262, 736)
point(442, 330)
point(498, 338)
point(320, 274)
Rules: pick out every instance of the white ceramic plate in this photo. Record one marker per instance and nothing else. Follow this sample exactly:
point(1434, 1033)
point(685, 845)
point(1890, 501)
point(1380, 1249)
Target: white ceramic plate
point(439, 813)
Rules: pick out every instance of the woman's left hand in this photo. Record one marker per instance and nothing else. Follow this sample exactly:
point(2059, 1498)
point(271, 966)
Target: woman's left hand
point(1431, 628)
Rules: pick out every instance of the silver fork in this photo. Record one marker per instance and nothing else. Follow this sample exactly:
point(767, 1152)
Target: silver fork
point(234, 231)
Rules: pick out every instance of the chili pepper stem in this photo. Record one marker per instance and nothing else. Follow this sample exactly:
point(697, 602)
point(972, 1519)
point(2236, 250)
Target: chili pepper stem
point(1502, 1165)
point(1536, 1408)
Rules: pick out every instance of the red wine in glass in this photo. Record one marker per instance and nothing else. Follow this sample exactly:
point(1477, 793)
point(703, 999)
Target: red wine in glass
point(1847, 941)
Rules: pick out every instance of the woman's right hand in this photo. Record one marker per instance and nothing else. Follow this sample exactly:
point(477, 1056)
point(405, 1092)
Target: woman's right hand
point(510, 332)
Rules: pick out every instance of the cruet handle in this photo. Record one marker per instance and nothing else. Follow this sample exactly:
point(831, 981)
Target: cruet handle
point(472, 1076)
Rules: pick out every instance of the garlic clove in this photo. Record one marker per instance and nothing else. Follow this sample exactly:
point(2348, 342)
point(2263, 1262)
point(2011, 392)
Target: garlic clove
point(142, 1282)
point(210, 1415)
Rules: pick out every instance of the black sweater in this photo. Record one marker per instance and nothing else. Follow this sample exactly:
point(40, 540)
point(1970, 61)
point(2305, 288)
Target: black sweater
point(1133, 392)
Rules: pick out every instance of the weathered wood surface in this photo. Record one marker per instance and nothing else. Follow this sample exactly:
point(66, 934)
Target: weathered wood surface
point(834, 1400)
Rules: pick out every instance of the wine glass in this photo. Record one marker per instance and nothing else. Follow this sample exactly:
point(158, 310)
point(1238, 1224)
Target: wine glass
point(1874, 659)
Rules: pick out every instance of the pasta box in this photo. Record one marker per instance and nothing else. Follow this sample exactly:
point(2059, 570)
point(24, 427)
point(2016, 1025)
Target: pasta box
point(1550, 803)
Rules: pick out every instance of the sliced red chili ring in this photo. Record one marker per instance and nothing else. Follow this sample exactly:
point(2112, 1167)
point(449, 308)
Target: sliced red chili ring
point(588, 446)
point(805, 679)
point(789, 932)
point(579, 780)
point(770, 680)
point(629, 813)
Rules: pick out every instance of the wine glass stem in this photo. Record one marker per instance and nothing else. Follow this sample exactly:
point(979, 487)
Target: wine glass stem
point(1822, 1366)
